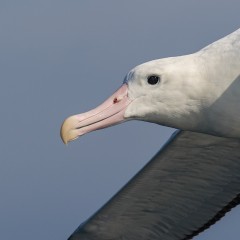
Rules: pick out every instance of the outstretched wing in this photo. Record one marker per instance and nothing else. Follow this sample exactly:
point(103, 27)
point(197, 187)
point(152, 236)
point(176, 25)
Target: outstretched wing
point(190, 184)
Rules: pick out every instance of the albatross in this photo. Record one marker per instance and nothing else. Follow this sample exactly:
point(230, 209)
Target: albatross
point(195, 178)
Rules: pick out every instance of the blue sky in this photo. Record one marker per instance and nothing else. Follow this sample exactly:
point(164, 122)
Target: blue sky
point(59, 58)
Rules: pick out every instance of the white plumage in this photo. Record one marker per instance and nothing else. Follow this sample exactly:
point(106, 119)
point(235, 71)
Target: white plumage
point(194, 180)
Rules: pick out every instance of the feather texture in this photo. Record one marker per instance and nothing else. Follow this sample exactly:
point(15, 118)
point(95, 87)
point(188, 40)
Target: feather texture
point(190, 183)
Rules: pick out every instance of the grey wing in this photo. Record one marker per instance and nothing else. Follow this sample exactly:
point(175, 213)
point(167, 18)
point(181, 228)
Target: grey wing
point(190, 183)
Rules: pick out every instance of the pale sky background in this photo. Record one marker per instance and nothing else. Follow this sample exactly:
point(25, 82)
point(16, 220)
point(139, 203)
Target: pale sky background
point(59, 58)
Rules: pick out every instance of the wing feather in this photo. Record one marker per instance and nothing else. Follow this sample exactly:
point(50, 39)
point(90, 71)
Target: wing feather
point(189, 185)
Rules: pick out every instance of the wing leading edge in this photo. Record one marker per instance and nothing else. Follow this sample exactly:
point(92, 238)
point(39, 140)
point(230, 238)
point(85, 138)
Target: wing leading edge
point(187, 186)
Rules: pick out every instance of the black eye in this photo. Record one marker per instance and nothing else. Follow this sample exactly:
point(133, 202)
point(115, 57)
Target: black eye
point(153, 79)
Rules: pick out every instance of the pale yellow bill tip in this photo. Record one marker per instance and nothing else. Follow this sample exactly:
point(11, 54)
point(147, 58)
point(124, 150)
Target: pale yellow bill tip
point(68, 131)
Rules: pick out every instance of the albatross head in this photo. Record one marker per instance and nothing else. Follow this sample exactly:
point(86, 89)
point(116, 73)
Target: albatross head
point(166, 92)
point(162, 91)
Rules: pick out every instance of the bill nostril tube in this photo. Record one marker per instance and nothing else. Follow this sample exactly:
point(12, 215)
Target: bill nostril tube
point(115, 100)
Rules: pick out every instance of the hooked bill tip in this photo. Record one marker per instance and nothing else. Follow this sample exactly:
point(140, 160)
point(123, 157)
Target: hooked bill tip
point(67, 132)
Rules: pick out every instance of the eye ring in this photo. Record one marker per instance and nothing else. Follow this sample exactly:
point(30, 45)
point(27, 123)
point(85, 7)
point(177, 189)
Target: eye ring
point(153, 79)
